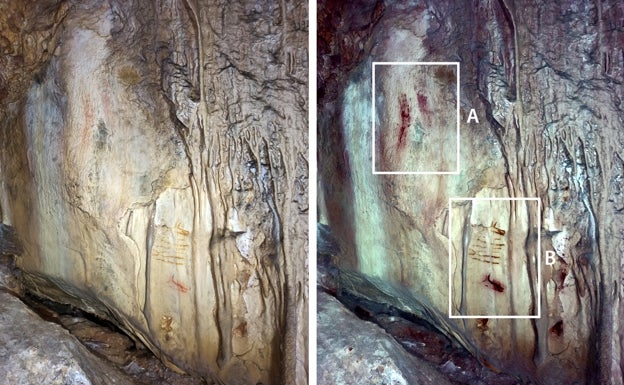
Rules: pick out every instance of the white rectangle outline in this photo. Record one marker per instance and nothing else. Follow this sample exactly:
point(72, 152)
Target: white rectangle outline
point(457, 171)
point(539, 260)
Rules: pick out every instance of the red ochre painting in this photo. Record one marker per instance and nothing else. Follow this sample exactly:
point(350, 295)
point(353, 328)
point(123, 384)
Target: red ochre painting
point(415, 117)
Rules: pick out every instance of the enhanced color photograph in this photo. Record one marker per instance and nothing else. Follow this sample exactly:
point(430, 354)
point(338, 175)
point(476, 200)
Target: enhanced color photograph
point(470, 192)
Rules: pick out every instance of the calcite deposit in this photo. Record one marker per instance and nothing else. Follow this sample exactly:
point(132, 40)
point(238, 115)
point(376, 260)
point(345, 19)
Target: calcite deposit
point(545, 82)
point(153, 164)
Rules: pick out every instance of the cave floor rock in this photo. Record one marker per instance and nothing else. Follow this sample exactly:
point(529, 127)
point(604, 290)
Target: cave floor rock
point(43, 342)
point(391, 342)
point(110, 345)
point(388, 337)
point(353, 351)
point(34, 351)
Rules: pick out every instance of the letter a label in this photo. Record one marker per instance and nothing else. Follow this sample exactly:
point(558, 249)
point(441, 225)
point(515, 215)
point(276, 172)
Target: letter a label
point(473, 116)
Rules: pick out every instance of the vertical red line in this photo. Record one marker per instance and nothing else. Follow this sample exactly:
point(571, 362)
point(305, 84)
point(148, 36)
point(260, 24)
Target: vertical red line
point(406, 120)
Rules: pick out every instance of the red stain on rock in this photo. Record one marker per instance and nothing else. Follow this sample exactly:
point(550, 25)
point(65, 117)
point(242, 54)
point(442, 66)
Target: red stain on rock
point(422, 103)
point(557, 329)
point(424, 107)
point(418, 339)
point(178, 285)
point(406, 119)
point(563, 273)
point(493, 284)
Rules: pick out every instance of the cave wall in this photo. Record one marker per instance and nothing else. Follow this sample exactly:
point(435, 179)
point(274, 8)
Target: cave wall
point(154, 165)
point(545, 79)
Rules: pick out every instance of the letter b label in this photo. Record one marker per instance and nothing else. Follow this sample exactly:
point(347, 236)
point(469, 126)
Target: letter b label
point(550, 257)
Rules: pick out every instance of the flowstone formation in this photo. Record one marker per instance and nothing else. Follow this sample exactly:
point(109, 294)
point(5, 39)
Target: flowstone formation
point(540, 176)
point(154, 167)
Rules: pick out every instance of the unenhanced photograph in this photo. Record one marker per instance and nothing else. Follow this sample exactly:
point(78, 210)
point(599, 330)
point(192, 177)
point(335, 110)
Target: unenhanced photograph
point(153, 192)
point(502, 265)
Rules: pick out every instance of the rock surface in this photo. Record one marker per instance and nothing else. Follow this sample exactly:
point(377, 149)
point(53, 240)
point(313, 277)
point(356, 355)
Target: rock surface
point(154, 166)
point(545, 79)
point(416, 336)
point(352, 351)
point(110, 345)
point(34, 351)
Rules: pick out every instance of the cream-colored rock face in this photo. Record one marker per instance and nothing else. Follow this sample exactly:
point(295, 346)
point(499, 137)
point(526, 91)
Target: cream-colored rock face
point(490, 270)
point(158, 177)
point(415, 118)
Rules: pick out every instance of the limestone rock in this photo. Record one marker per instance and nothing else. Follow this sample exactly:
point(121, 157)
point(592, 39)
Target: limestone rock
point(352, 351)
point(34, 351)
point(154, 165)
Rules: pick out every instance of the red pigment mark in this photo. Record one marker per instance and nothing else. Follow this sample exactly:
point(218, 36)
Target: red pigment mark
point(493, 284)
point(422, 103)
point(562, 275)
point(179, 285)
point(424, 107)
point(557, 329)
point(406, 119)
point(497, 230)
